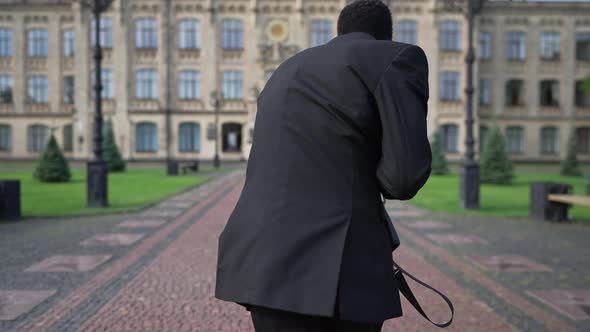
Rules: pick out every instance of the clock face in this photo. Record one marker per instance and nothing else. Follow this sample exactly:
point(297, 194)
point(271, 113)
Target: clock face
point(277, 30)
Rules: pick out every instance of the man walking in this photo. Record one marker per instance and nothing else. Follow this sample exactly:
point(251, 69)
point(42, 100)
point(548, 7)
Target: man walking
point(308, 245)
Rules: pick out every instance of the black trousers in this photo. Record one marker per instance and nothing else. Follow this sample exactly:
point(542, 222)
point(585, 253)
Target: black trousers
point(271, 320)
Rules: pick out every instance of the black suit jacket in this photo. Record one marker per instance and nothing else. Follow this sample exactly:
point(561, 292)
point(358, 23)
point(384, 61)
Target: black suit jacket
point(337, 125)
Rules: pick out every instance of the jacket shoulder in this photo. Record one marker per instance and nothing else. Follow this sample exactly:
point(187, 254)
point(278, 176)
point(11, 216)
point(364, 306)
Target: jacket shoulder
point(374, 57)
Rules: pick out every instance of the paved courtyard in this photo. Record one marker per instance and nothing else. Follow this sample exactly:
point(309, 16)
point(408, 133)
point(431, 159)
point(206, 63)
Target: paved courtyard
point(155, 270)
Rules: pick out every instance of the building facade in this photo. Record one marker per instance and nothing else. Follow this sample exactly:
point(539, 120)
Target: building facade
point(163, 59)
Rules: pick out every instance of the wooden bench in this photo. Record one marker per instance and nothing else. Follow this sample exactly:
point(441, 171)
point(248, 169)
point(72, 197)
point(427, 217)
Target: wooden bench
point(189, 166)
point(570, 199)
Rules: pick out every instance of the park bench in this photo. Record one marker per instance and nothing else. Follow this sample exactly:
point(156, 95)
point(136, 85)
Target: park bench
point(189, 166)
point(551, 201)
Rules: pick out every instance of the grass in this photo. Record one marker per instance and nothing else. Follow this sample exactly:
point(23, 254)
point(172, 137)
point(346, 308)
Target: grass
point(441, 194)
point(127, 191)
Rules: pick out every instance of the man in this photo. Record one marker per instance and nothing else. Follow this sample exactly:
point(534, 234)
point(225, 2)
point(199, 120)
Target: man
point(308, 245)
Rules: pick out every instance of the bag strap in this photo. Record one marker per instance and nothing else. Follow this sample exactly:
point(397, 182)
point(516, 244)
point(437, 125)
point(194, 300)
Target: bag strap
point(404, 288)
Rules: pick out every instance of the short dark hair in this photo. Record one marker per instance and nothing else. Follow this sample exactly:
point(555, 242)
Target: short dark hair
point(370, 16)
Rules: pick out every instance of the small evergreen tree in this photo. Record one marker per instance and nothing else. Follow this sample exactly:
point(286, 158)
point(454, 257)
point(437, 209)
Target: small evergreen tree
point(496, 168)
point(569, 166)
point(439, 161)
point(111, 153)
point(53, 166)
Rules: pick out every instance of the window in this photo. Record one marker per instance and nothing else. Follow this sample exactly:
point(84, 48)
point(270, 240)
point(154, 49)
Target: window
point(106, 77)
point(449, 86)
point(583, 46)
point(146, 137)
point(190, 34)
point(5, 42)
point(582, 95)
point(68, 43)
point(38, 135)
point(550, 45)
point(515, 45)
point(5, 89)
point(232, 84)
point(483, 136)
point(450, 133)
point(515, 139)
point(549, 140)
point(190, 137)
point(5, 137)
point(37, 88)
point(232, 34)
point(146, 84)
point(189, 84)
point(549, 93)
point(485, 45)
point(484, 92)
point(68, 138)
point(68, 97)
point(105, 35)
point(37, 42)
point(583, 139)
point(515, 93)
point(146, 33)
point(321, 32)
point(450, 35)
point(407, 31)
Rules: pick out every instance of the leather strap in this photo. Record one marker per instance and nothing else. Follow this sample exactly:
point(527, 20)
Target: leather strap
point(404, 288)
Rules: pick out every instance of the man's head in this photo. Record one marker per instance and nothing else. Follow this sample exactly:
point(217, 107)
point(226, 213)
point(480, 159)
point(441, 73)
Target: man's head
point(370, 16)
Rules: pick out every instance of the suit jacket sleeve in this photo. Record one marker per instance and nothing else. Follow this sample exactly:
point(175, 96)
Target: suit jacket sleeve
point(401, 96)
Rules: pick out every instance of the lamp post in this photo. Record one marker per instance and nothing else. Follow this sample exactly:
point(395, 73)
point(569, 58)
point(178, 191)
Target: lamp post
point(97, 172)
point(216, 101)
point(470, 182)
point(469, 170)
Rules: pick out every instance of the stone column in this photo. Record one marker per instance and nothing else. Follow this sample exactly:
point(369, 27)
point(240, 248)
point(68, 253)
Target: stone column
point(82, 124)
point(19, 80)
point(54, 72)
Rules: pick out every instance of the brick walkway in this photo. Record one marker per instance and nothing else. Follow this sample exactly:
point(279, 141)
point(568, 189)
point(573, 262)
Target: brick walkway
point(165, 281)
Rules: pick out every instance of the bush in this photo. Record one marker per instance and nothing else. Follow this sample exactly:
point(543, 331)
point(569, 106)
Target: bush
point(53, 166)
point(569, 166)
point(110, 152)
point(496, 168)
point(439, 161)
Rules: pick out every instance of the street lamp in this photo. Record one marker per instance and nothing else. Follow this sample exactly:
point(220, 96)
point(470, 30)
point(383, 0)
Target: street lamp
point(216, 102)
point(97, 172)
point(469, 170)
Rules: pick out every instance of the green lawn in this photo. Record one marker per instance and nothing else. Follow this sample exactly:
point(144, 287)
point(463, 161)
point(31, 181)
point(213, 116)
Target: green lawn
point(127, 191)
point(441, 194)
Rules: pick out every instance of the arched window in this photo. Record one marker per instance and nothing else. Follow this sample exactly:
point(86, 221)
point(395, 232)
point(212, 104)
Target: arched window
point(189, 34)
point(189, 85)
point(68, 138)
point(5, 137)
point(583, 139)
point(450, 135)
point(450, 35)
point(549, 140)
point(515, 45)
point(146, 33)
point(232, 84)
point(37, 137)
point(190, 137)
point(515, 92)
point(321, 32)
point(146, 137)
point(515, 139)
point(549, 93)
point(232, 34)
point(406, 31)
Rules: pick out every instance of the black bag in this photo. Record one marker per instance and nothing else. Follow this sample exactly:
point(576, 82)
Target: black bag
point(403, 286)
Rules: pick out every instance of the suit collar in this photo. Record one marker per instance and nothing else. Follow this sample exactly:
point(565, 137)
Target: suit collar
point(353, 35)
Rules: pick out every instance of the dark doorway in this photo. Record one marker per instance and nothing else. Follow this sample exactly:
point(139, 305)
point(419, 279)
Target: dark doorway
point(232, 137)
